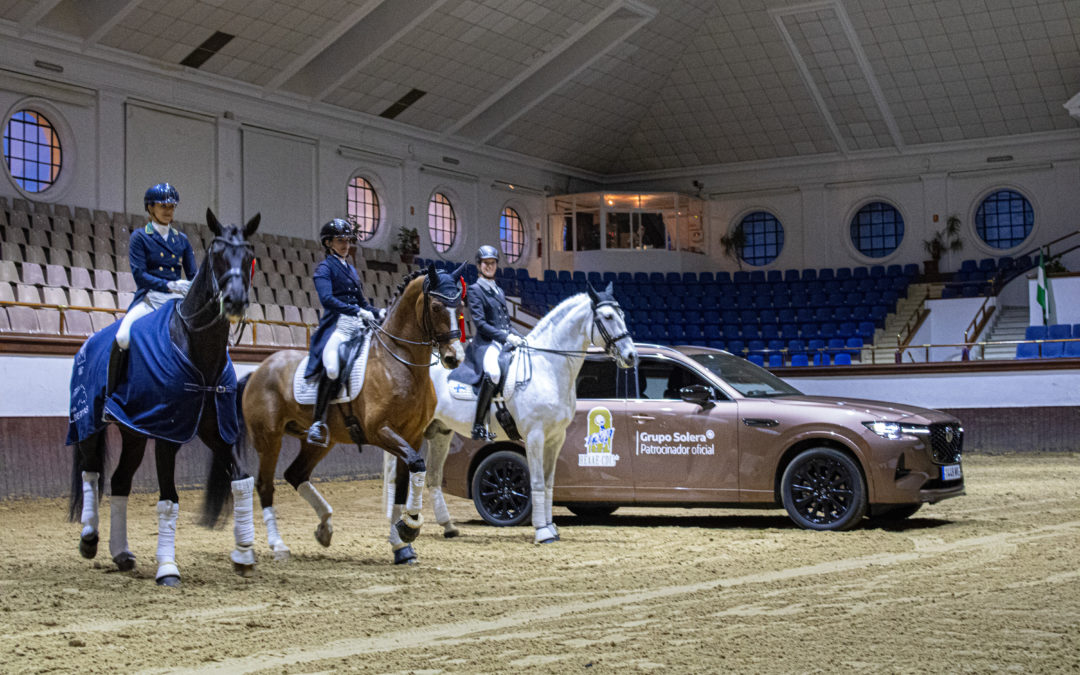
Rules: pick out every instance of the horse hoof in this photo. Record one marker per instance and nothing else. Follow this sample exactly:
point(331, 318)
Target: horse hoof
point(282, 555)
point(88, 546)
point(171, 581)
point(324, 534)
point(125, 561)
point(245, 571)
point(451, 533)
point(549, 540)
point(407, 534)
point(405, 556)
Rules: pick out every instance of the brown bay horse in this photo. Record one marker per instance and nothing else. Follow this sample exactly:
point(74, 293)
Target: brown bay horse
point(394, 406)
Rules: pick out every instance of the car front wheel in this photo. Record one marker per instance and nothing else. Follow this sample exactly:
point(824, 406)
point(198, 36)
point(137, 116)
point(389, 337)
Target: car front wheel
point(823, 489)
point(500, 489)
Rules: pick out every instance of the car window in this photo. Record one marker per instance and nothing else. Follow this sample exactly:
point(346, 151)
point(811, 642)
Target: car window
point(750, 380)
point(597, 378)
point(660, 378)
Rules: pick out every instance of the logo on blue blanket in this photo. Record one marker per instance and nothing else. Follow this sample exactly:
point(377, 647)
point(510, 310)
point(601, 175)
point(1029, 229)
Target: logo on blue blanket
point(460, 390)
point(600, 441)
point(80, 407)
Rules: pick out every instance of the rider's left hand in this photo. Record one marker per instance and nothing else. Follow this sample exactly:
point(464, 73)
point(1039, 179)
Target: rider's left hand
point(515, 340)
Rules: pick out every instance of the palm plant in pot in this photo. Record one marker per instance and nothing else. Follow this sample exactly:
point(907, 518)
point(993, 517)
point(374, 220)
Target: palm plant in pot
point(407, 244)
point(945, 240)
point(732, 244)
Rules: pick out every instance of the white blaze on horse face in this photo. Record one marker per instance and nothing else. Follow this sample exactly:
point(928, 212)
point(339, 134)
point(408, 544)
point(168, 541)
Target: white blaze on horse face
point(625, 351)
point(456, 352)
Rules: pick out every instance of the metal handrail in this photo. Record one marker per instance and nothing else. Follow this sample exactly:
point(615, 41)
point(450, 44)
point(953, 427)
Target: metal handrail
point(974, 329)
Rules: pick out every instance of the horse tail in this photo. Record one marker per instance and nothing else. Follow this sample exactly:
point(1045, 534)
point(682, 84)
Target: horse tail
point(75, 498)
point(219, 481)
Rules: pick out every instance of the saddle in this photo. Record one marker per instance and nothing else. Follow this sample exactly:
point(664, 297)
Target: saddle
point(462, 391)
point(352, 356)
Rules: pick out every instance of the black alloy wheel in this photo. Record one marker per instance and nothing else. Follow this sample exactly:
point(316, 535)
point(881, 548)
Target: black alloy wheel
point(592, 510)
point(500, 489)
point(824, 489)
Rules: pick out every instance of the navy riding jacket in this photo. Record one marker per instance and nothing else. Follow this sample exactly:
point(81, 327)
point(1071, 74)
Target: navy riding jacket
point(339, 290)
point(490, 318)
point(156, 261)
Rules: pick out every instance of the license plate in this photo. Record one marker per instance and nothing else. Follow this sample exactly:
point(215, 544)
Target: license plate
point(951, 472)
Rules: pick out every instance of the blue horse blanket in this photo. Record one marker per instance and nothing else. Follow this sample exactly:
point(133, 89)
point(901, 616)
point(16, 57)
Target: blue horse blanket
point(162, 395)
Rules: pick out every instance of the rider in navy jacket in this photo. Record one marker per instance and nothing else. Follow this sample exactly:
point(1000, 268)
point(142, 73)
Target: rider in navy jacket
point(487, 307)
point(344, 310)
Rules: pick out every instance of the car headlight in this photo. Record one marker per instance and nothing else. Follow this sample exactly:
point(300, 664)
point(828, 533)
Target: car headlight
point(896, 430)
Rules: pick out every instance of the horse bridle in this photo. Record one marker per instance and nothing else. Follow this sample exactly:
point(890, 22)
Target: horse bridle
point(609, 341)
point(216, 289)
point(434, 339)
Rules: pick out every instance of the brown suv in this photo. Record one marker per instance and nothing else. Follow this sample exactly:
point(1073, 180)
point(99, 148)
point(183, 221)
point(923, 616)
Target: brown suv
point(697, 427)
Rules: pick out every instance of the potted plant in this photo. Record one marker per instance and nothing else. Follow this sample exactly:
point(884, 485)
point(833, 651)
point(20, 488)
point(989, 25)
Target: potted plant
point(945, 240)
point(408, 244)
point(733, 243)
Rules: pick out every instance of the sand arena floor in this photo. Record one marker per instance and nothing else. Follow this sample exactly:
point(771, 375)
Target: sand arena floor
point(987, 582)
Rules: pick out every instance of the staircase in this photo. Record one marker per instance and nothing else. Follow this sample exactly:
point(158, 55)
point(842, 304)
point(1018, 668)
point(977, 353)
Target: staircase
point(1011, 326)
point(884, 348)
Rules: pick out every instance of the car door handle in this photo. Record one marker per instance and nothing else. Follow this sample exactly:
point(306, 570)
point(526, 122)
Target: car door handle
point(643, 417)
point(759, 422)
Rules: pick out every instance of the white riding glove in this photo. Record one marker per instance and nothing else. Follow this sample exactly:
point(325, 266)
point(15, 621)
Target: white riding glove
point(180, 287)
point(367, 316)
point(515, 340)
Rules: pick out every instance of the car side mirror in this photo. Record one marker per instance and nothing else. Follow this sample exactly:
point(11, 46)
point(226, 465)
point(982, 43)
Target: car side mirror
point(697, 394)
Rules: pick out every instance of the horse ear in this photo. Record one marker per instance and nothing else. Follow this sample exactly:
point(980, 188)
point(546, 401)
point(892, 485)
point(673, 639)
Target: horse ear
point(592, 293)
point(459, 272)
point(212, 223)
point(433, 275)
point(610, 284)
point(252, 225)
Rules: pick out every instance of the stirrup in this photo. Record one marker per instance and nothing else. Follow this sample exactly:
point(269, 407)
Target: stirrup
point(480, 433)
point(318, 434)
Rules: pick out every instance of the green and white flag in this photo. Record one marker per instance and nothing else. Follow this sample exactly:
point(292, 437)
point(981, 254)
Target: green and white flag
point(1043, 295)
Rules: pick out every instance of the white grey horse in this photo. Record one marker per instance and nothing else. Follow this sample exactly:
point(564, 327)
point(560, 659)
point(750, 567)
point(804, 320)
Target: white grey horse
point(540, 394)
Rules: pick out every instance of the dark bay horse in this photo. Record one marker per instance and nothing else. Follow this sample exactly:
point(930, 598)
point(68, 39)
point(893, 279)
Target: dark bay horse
point(392, 410)
point(192, 338)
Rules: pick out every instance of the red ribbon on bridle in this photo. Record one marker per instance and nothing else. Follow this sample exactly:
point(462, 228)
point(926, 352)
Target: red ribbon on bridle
point(461, 312)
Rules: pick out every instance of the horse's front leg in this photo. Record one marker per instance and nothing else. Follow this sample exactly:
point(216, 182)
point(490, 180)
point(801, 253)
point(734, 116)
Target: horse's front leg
point(298, 475)
point(87, 466)
point(408, 527)
point(534, 456)
point(552, 445)
point(396, 489)
point(268, 446)
point(131, 456)
point(168, 512)
point(438, 447)
point(227, 465)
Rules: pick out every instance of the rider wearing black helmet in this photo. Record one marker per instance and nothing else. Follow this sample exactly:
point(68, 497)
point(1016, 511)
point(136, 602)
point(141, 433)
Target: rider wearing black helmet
point(344, 310)
point(487, 307)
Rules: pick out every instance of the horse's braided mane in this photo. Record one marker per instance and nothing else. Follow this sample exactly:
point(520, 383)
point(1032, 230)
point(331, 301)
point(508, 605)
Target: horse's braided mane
point(404, 284)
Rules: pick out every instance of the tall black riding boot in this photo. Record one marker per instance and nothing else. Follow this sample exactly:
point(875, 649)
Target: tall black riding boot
point(483, 406)
point(117, 365)
point(318, 434)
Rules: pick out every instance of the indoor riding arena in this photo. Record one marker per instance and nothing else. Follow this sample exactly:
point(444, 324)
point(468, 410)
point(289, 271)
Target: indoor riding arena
point(796, 322)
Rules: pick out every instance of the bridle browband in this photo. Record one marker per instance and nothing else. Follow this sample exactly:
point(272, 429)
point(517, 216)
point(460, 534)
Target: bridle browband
point(216, 288)
point(434, 339)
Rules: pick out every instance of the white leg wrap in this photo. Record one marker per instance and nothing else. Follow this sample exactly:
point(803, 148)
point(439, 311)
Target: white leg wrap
point(118, 542)
point(544, 533)
point(273, 537)
point(550, 493)
point(168, 514)
point(416, 492)
point(89, 517)
point(539, 510)
point(438, 502)
point(312, 496)
point(395, 538)
point(243, 521)
point(389, 478)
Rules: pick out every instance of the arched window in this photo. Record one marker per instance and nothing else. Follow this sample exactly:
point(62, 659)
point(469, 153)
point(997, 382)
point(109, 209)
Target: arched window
point(32, 151)
point(442, 222)
point(511, 234)
point(877, 229)
point(363, 207)
point(763, 238)
point(1004, 219)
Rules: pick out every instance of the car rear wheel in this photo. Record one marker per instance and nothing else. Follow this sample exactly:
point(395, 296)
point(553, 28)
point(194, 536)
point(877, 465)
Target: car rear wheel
point(592, 510)
point(500, 489)
point(824, 489)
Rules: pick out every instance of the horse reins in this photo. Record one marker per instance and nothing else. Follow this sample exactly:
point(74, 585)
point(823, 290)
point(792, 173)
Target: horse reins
point(436, 338)
point(215, 296)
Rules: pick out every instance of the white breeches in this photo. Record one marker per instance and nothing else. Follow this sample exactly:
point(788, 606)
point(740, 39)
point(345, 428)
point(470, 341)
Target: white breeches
point(346, 327)
point(152, 301)
point(491, 361)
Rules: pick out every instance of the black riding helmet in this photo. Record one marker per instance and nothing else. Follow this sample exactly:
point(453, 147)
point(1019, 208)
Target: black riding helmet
point(486, 252)
point(338, 227)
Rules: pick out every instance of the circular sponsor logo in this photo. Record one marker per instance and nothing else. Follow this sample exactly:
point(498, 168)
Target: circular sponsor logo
point(709, 434)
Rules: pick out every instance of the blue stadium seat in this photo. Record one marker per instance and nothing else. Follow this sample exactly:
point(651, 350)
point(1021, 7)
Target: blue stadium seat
point(911, 270)
point(640, 277)
point(835, 345)
point(1072, 350)
point(1027, 350)
point(808, 330)
point(789, 331)
point(565, 275)
point(1076, 330)
point(791, 275)
point(968, 266)
point(551, 275)
point(843, 273)
point(654, 278)
point(741, 277)
point(822, 359)
point(694, 333)
point(798, 360)
point(594, 278)
point(865, 330)
point(716, 344)
point(756, 359)
point(877, 271)
point(774, 276)
point(988, 265)
point(846, 329)
point(723, 277)
point(1005, 263)
point(894, 271)
point(704, 277)
point(623, 277)
point(770, 331)
point(731, 331)
point(1059, 331)
point(826, 274)
point(673, 277)
point(823, 314)
point(1035, 333)
point(841, 314)
point(809, 274)
point(579, 277)
point(854, 346)
point(736, 347)
point(756, 347)
point(776, 360)
point(712, 332)
point(522, 274)
point(842, 359)
point(757, 276)
point(1053, 350)
point(748, 316)
point(815, 345)
point(750, 332)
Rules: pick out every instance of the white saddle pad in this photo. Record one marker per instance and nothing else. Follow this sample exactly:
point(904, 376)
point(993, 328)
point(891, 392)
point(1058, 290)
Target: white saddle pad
point(461, 391)
point(304, 391)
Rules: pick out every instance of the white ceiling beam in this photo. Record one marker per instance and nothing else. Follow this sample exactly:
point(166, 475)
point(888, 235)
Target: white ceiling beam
point(379, 28)
point(36, 13)
point(322, 44)
point(98, 17)
point(606, 30)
